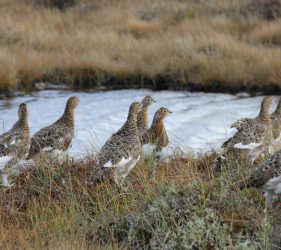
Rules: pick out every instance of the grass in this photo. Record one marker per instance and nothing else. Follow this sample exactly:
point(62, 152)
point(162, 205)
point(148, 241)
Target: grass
point(183, 205)
point(218, 44)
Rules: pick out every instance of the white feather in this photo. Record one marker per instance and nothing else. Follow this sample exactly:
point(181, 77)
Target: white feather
point(121, 163)
point(148, 149)
point(278, 188)
point(162, 156)
point(61, 140)
point(46, 149)
point(124, 162)
point(108, 164)
point(250, 146)
point(59, 155)
point(4, 160)
point(273, 185)
point(22, 164)
point(133, 163)
point(5, 182)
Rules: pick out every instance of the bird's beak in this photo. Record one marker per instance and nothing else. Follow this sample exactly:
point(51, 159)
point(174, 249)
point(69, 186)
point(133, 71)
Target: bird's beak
point(154, 101)
point(170, 112)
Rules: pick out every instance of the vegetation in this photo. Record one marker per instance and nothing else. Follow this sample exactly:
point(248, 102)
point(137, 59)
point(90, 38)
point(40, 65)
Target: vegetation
point(178, 205)
point(216, 44)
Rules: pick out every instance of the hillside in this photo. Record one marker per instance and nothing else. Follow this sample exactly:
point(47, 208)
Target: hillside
point(217, 45)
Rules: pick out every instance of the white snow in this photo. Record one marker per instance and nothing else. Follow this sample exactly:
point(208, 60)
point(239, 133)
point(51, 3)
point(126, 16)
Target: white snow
point(199, 121)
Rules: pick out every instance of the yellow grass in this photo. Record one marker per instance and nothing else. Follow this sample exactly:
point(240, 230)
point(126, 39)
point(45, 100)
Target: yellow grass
point(224, 41)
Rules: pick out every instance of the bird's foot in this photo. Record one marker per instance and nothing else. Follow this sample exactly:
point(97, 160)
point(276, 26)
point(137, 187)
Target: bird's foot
point(5, 181)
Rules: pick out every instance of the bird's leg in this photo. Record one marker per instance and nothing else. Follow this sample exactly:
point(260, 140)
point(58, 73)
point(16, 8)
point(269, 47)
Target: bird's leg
point(254, 156)
point(269, 199)
point(5, 180)
point(119, 179)
point(116, 177)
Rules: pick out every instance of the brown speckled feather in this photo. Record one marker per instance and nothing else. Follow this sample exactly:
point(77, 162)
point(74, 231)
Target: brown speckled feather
point(57, 136)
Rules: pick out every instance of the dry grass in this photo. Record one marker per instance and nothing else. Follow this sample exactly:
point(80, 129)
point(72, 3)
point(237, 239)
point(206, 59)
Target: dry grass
point(232, 43)
point(182, 206)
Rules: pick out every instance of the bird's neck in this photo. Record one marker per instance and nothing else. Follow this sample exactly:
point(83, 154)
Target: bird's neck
point(68, 117)
point(264, 115)
point(131, 122)
point(143, 115)
point(157, 126)
point(23, 123)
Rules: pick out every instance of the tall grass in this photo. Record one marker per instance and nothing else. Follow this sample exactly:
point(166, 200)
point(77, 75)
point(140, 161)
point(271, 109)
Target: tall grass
point(230, 43)
point(183, 205)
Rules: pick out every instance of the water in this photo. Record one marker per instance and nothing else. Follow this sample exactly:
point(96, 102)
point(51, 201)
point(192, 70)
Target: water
point(199, 121)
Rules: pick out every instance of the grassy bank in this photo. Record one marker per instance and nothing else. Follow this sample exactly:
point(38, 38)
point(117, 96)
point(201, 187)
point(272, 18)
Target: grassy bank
point(182, 206)
point(216, 44)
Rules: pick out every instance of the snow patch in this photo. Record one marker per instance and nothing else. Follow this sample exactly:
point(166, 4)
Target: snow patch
point(199, 122)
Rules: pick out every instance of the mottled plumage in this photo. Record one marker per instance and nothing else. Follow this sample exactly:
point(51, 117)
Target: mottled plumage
point(122, 151)
point(14, 144)
point(56, 138)
point(267, 177)
point(143, 116)
point(255, 136)
point(156, 134)
point(276, 120)
point(245, 123)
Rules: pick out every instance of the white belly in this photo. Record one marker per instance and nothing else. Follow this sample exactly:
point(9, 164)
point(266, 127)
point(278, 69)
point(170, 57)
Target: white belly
point(273, 186)
point(4, 160)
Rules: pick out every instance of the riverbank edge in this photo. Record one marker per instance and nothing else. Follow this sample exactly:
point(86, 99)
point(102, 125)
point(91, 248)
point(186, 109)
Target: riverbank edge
point(160, 82)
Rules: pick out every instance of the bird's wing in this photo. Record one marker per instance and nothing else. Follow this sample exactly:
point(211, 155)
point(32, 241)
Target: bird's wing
point(276, 126)
point(250, 138)
point(267, 170)
point(162, 142)
point(9, 142)
point(242, 123)
point(9, 138)
point(65, 140)
point(48, 139)
point(113, 152)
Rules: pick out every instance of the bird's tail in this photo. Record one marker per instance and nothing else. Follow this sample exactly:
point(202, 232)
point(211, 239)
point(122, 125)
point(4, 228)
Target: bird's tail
point(226, 143)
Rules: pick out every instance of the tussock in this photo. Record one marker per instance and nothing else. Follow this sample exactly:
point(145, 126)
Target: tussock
point(233, 44)
point(181, 204)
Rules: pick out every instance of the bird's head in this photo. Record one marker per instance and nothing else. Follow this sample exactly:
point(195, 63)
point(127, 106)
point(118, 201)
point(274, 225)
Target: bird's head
point(147, 101)
point(162, 113)
point(73, 102)
point(135, 107)
point(22, 110)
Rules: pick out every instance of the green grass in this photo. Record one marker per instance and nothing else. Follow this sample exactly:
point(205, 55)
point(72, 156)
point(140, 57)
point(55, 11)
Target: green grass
point(183, 205)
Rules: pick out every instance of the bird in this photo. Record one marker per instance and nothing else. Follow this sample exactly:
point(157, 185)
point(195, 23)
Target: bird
point(255, 136)
point(123, 149)
point(14, 144)
point(55, 139)
point(156, 134)
point(244, 123)
point(276, 120)
point(267, 177)
point(142, 120)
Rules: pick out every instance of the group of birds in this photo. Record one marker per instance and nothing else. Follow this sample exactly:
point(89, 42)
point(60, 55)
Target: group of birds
point(16, 144)
point(120, 153)
point(254, 138)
